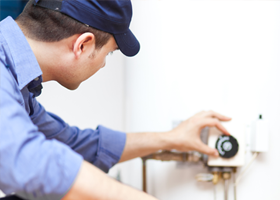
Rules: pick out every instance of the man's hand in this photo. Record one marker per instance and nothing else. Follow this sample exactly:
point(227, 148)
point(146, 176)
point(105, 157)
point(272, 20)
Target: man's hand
point(186, 137)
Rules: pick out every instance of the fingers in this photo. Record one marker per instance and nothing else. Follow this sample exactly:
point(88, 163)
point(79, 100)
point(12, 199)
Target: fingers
point(215, 122)
point(203, 148)
point(213, 114)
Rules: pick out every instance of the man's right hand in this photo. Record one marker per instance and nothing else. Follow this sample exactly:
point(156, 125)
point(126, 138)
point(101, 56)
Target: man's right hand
point(186, 137)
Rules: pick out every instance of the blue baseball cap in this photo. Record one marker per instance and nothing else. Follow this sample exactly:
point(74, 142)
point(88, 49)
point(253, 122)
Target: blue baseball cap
point(111, 16)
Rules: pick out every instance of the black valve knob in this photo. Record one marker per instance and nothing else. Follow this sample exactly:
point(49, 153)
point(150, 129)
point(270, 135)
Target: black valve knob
point(227, 146)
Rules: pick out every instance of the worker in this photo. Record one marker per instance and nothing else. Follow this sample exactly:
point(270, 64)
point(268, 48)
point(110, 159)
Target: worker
point(41, 156)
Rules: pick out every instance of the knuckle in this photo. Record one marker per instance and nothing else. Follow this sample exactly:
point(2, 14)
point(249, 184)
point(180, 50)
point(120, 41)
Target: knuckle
point(210, 111)
point(193, 120)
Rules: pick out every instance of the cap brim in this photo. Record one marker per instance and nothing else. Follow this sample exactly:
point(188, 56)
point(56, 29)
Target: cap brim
point(127, 43)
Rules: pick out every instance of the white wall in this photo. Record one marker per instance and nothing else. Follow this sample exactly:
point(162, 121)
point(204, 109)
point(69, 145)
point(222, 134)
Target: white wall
point(201, 55)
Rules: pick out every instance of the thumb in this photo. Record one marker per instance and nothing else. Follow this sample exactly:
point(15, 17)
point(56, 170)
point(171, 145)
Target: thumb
point(203, 148)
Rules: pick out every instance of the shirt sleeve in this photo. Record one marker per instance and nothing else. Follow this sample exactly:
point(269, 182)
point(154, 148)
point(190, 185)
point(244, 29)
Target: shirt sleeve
point(30, 165)
point(102, 147)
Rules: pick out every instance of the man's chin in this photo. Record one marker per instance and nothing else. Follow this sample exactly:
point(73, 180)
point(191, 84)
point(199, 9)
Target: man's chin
point(70, 86)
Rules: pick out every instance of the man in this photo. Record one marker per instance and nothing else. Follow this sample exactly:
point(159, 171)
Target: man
point(41, 157)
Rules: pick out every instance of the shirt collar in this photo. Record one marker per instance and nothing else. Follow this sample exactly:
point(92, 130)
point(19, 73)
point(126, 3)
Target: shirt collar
point(35, 86)
point(24, 61)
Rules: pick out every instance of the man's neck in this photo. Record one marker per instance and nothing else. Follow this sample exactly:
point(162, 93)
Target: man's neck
point(45, 53)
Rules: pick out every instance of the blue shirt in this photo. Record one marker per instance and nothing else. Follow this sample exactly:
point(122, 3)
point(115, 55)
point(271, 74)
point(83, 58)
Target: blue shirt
point(40, 155)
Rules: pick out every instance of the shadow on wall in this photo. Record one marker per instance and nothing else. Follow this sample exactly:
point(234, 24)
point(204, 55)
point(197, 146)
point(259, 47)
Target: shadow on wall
point(11, 8)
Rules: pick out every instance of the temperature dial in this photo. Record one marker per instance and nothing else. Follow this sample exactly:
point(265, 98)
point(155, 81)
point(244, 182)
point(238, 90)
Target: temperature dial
point(227, 146)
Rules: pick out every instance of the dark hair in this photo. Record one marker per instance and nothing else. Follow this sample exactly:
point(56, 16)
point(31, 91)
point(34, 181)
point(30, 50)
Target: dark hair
point(46, 25)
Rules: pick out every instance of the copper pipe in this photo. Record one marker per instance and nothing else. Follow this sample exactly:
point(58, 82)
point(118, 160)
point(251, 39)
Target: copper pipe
point(168, 156)
point(226, 177)
point(234, 179)
point(175, 156)
point(144, 187)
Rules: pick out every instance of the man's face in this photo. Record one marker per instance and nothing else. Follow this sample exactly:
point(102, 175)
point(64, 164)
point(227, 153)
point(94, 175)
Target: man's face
point(88, 65)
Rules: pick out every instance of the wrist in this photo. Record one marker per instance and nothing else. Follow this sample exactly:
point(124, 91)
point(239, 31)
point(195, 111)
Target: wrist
point(167, 140)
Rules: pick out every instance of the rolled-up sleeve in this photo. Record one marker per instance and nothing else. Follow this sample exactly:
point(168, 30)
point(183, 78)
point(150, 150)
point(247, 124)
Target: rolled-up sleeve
point(110, 148)
point(30, 165)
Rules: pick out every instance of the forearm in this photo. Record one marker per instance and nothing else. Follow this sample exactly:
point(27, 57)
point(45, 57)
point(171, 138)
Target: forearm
point(185, 137)
point(91, 183)
point(141, 144)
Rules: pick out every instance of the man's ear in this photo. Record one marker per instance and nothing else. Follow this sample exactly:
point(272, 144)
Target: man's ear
point(85, 43)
